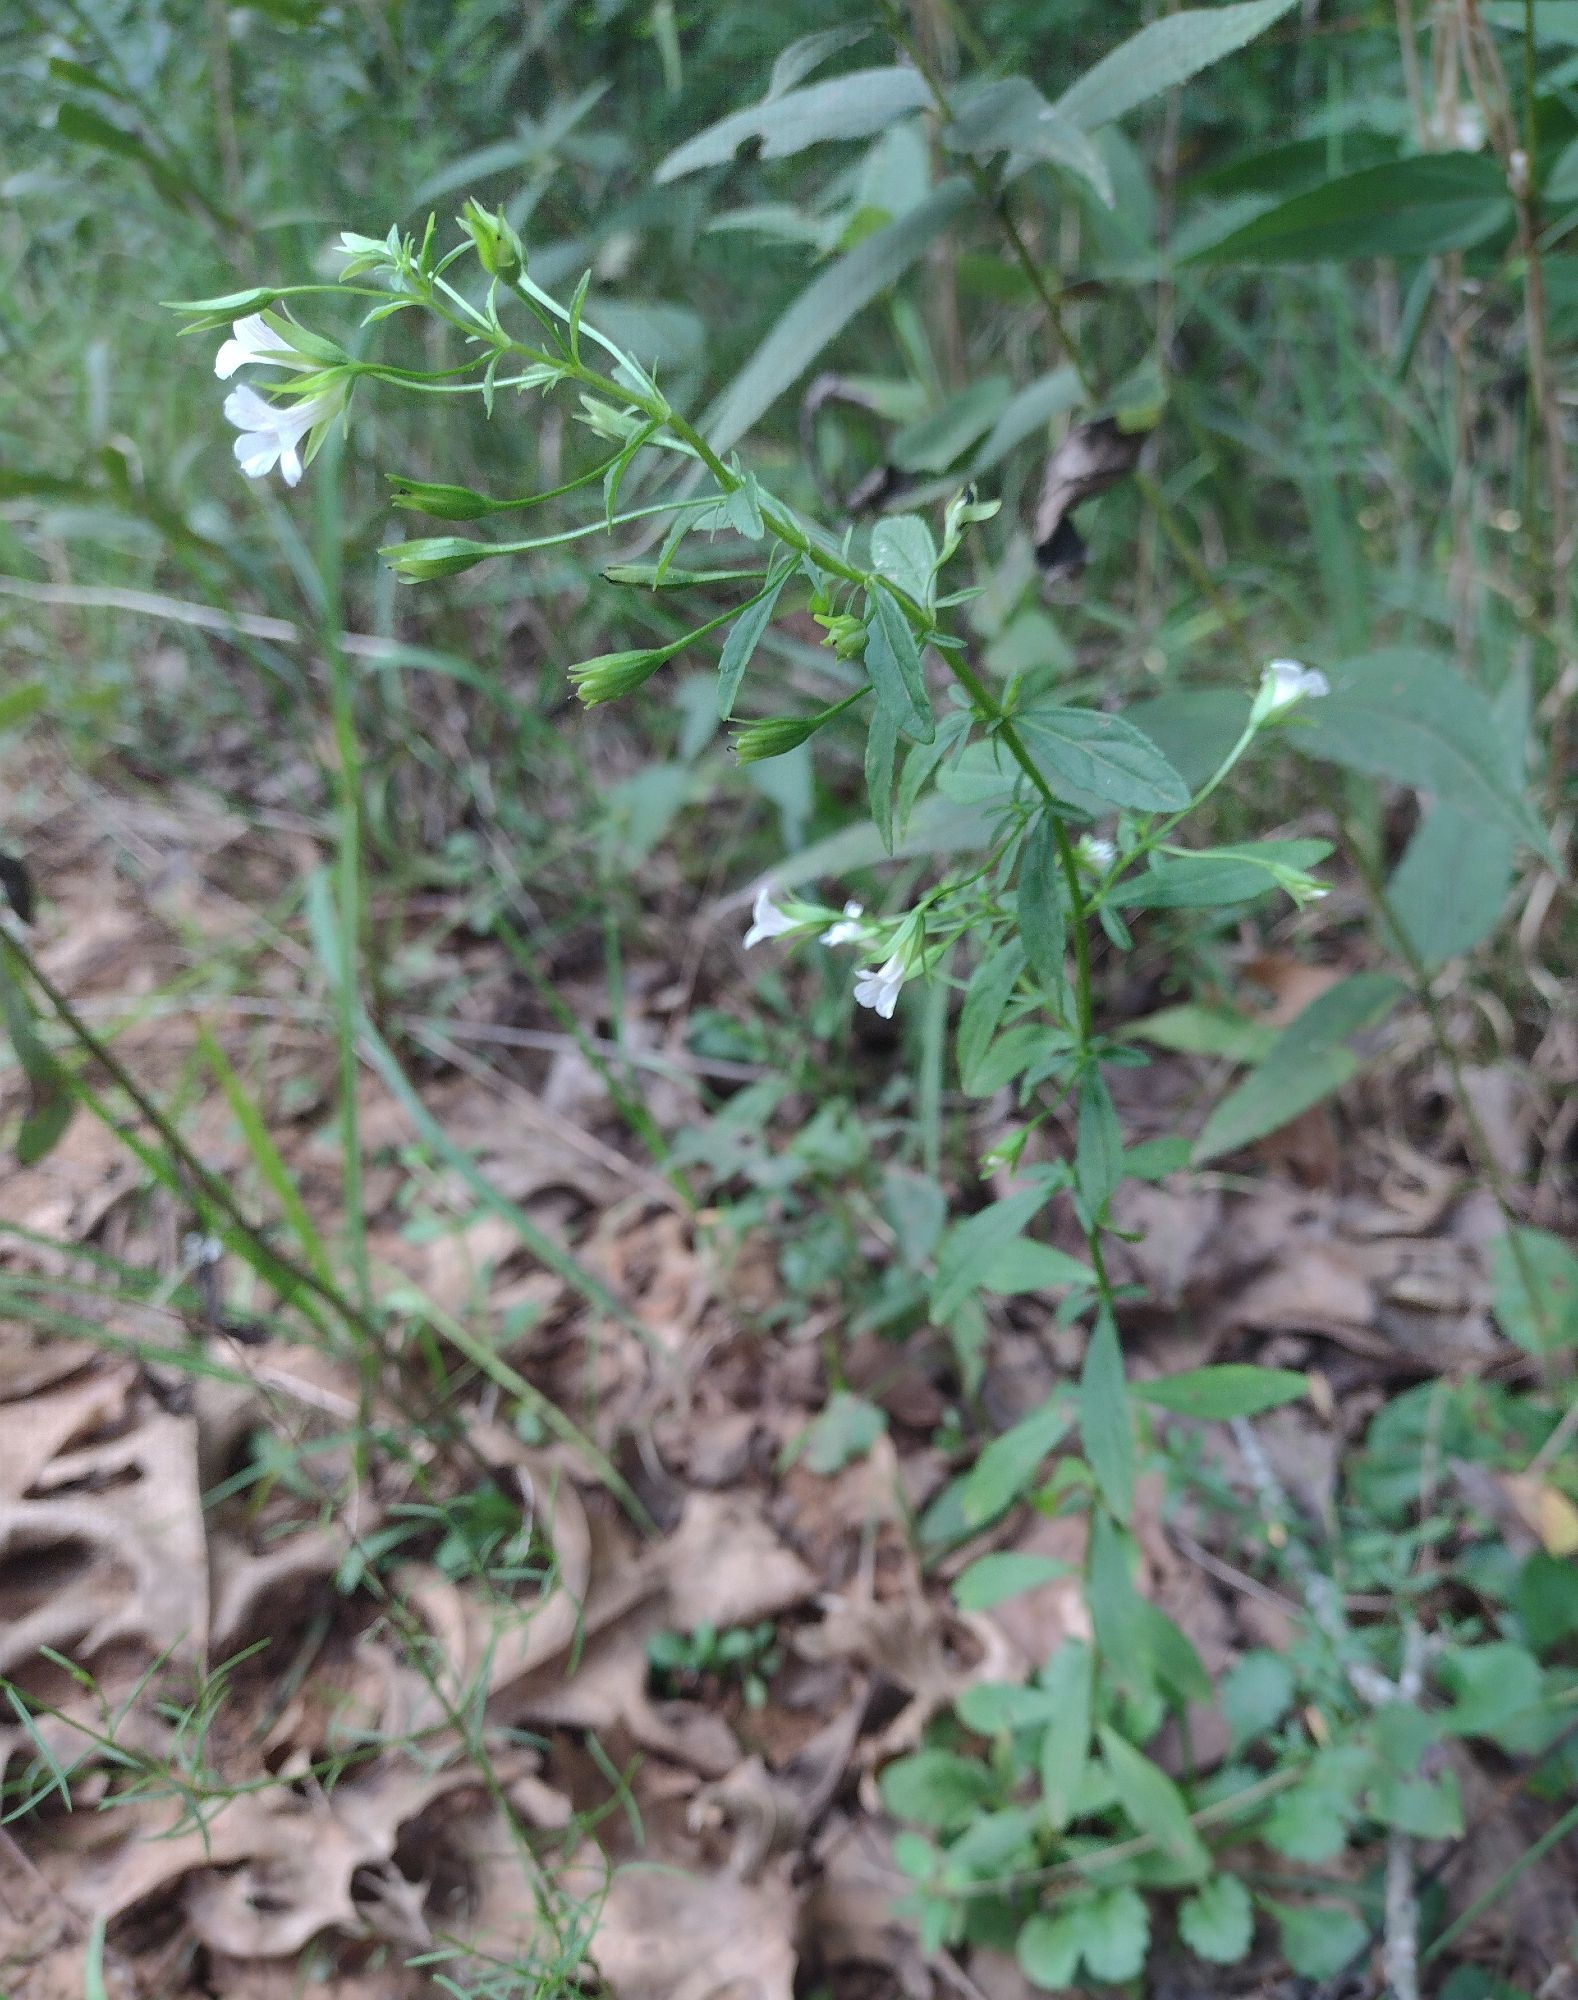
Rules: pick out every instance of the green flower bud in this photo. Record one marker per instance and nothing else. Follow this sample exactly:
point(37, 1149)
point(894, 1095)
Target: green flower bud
point(499, 249)
point(611, 675)
point(444, 503)
point(444, 555)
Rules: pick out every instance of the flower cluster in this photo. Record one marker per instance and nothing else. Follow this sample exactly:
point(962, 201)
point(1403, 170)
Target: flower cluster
point(877, 987)
point(274, 433)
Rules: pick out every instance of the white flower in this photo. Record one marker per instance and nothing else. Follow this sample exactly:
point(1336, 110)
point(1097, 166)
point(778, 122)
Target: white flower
point(767, 920)
point(271, 433)
point(1468, 128)
point(848, 929)
point(1096, 853)
point(880, 989)
point(1284, 683)
point(253, 339)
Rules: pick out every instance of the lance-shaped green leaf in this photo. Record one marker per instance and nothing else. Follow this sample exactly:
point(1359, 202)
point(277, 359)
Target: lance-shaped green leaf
point(1231, 1389)
point(1418, 207)
point(840, 107)
point(1310, 1059)
point(1164, 53)
point(893, 663)
point(1106, 1423)
point(1152, 1801)
point(826, 307)
point(1069, 1677)
point(1042, 923)
point(744, 637)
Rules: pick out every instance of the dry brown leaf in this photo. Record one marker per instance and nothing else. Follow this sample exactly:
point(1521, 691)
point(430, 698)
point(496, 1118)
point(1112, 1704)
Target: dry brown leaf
point(146, 1574)
point(667, 1935)
point(725, 1566)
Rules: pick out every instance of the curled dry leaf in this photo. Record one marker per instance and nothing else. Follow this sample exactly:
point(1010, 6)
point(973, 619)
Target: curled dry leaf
point(1092, 457)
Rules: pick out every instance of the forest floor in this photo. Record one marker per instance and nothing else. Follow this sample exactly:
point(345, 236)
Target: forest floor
point(310, 1746)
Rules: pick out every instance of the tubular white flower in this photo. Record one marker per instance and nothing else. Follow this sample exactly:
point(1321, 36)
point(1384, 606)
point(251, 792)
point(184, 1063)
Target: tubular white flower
point(1096, 853)
point(1284, 683)
point(253, 339)
point(767, 920)
point(880, 989)
point(848, 929)
point(271, 433)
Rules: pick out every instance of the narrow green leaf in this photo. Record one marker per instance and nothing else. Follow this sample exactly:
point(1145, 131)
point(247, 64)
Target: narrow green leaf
point(744, 637)
point(1069, 1677)
point(893, 662)
point(841, 107)
point(995, 1578)
point(826, 307)
point(1042, 923)
point(1164, 53)
point(1152, 1800)
point(1232, 1389)
point(882, 742)
point(1006, 1469)
point(985, 1001)
point(1308, 1061)
point(1417, 207)
point(1117, 1611)
point(1106, 1424)
point(1098, 1145)
point(972, 1252)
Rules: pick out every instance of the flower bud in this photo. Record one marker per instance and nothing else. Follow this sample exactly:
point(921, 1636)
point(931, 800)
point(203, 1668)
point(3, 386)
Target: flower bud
point(499, 250)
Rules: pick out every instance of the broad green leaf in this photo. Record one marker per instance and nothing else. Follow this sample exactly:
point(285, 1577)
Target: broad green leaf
point(1257, 1691)
point(845, 1430)
point(826, 307)
point(1218, 1921)
point(903, 552)
point(1048, 1950)
point(842, 107)
point(1152, 1800)
point(1162, 54)
point(1546, 1600)
point(1534, 1278)
point(994, 1579)
point(1009, 115)
point(990, 1706)
point(1496, 1690)
point(1069, 1677)
point(987, 996)
point(1008, 1466)
point(1196, 1030)
point(1232, 1389)
point(1216, 875)
point(1555, 21)
point(1042, 927)
point(935, 1788)
point(1308, 1061)
point(1318, 1939)
point(1418, 207)
point(1194, 728)
point(1106, 1424)
point(1114, 1929)
point(1101, 755)
point(744, 637)
point(933, 442)
point(1180, 1672)
point(1429, 1808)
point(893, 663)
point(1451, 886)
point(1412, 717)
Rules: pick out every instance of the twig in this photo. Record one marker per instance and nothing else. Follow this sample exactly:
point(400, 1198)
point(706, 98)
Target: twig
point(1400, 1954)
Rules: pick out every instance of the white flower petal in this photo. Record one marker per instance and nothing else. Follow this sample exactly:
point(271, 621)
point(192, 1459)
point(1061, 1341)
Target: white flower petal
point(767, 920)
point(880, 989)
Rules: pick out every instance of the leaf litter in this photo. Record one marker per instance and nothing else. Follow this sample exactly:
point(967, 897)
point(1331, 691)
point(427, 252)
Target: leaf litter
point(295, 1769)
